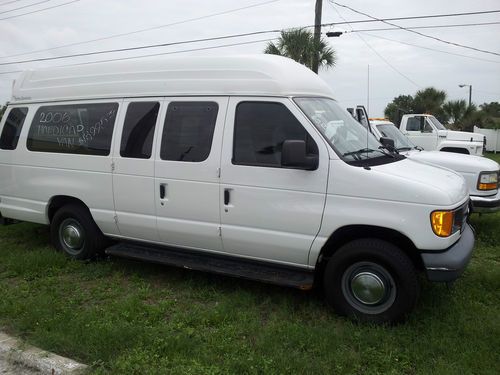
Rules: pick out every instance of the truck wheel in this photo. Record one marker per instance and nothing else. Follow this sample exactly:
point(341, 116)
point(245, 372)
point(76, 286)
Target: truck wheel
point(372, 281)
point(74, 232)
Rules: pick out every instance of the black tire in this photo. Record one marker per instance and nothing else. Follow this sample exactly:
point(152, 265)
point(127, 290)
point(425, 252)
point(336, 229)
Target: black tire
point(74, 232)
point(371, 280)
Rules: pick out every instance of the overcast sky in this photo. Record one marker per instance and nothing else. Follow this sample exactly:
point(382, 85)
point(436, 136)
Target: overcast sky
point(84, 20)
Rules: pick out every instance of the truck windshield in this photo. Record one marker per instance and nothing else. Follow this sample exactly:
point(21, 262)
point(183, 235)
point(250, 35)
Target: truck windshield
point(347, 136)
point(401, 142)
point(436, 123)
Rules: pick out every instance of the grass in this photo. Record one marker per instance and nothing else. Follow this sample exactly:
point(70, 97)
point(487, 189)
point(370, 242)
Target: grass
point(493, 156)
point(128, 317)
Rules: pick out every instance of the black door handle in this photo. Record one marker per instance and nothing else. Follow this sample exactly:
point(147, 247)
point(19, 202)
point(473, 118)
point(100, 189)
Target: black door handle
point(226, 196)
point(162, 191)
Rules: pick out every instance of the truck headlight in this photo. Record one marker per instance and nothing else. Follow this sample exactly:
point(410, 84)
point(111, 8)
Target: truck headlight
point(442, 222)
point(487, 181)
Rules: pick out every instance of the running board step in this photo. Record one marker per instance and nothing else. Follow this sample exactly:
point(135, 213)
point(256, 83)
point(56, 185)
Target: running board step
point(224, 265)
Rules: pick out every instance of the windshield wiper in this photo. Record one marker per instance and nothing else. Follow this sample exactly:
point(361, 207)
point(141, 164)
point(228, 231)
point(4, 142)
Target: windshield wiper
point(404, 148)
point(361, 151)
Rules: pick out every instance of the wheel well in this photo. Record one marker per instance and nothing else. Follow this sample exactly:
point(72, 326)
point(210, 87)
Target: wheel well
point(353, 232)
point(60, 201)
point(457, 150)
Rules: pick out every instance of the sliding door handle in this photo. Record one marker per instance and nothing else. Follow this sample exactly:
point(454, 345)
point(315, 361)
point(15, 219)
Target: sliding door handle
point(163, 191)
point(227, 196)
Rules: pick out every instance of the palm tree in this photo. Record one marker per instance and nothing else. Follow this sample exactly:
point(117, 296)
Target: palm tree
point(430, 100)
point(299, 45)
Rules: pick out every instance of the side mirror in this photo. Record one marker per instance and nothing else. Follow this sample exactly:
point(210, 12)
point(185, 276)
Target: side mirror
point(388, 143)
point(293, 155)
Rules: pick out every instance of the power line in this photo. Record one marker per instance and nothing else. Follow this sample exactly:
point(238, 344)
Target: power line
point(428, 27)
point(428, 48)
point(140, 47)
point(251, 6)
point(39, 10)
point(147, 29)
point(415, 32)
point(10, 2)
point(25, 6)
point(378, 54)
point(158, 54)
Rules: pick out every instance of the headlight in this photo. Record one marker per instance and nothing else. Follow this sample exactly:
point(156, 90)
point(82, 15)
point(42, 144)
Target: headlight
point(487, 181)
point(442, 222)
point(445, 223)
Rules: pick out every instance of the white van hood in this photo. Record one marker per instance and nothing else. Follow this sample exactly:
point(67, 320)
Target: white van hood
point(424, 183)
point(458, 162)
point(453, 135)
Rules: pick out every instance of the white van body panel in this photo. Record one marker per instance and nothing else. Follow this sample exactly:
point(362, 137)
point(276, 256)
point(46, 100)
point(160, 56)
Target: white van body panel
point(273, 213)
point(189, 215)
point(35, 178)
point(261, 75)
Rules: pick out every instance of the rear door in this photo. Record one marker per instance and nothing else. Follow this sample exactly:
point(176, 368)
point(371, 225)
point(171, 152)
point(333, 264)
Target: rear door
point(187, 165)
point(268, 211)
point(133, 175)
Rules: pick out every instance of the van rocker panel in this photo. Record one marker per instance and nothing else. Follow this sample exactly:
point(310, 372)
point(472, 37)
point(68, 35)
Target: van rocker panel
point(224, 265)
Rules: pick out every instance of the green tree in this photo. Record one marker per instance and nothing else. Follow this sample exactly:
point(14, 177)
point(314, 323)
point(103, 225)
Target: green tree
point(399, 106)
point(430, 100)
point(455, 110)
point(299, 45)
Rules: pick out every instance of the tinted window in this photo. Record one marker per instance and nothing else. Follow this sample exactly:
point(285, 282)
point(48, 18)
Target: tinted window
point(188, 132)
point(413, 124)
point(139, 129)
point(73, 129)
point(12, 128)
point(260, 130)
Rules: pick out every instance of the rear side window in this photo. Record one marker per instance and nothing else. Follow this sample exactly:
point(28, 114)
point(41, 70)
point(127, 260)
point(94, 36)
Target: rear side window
point(12, 128)
point(73, 129)
point(139, 129)
point(259, 132)
point(188, 132)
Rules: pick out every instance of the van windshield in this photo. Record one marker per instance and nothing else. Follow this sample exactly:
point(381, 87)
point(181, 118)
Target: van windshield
point(347, 136)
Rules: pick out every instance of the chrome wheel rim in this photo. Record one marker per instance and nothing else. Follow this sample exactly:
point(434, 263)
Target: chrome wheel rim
point(71, 236)
point(368, 287)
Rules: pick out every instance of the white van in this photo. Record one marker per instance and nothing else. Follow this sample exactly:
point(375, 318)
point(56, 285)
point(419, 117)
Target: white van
point(481, 174)
point(243, 166)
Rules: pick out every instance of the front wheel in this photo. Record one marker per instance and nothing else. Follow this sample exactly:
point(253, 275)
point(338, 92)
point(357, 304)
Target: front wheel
point(371, 280)
point(74, 232)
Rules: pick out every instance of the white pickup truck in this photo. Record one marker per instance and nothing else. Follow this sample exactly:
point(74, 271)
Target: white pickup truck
point(481, 174)
point(427, 132)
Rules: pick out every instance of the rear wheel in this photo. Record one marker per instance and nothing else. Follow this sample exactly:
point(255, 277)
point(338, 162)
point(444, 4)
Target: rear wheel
point(371, 280)
point(74, 232)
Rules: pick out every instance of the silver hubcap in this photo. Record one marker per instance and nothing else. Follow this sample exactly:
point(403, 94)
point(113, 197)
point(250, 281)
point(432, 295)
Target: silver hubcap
point(368, 288)
point(71, 235)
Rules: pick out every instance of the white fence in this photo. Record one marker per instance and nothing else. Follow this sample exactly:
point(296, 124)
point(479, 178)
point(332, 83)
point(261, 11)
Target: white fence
point(492, 138)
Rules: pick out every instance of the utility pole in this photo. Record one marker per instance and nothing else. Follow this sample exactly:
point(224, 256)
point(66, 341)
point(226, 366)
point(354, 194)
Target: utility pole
point(317, 34)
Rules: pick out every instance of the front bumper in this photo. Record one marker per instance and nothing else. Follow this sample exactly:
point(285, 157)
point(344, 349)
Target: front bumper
point(448, 265)
point(486, 204)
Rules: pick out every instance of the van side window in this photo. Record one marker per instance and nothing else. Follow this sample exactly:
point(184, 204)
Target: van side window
point(12, 128)
point(259, 132)
point(139, 129)
point(73, 129)
point(188, 131)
